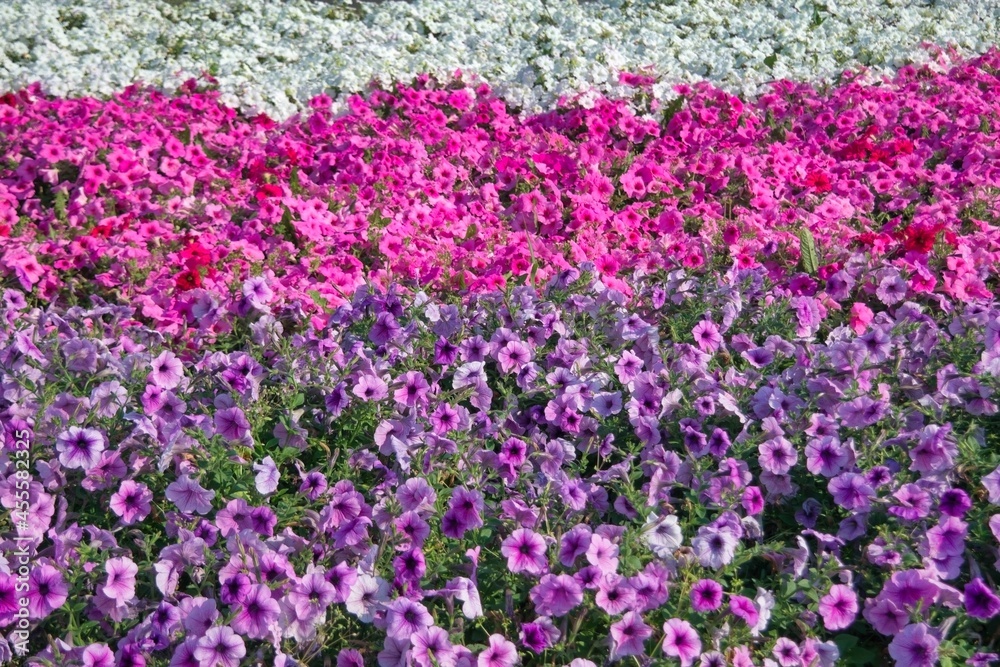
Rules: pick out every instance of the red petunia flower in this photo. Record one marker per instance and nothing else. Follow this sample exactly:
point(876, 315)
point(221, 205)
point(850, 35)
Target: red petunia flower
point(188, 279)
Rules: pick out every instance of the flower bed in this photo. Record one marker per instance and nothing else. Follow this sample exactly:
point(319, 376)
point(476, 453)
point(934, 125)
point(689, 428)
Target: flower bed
point(175, 203)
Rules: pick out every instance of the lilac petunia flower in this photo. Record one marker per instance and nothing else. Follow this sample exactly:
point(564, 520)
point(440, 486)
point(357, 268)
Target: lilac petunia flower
point(167, 371)
point(432, 648)
point(915, 646)
point(189, 496)
point(714, 548)
point(220, 647)
point(120, 585)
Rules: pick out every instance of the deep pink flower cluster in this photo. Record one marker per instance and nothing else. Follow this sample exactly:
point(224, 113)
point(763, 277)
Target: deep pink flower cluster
point(193, 213)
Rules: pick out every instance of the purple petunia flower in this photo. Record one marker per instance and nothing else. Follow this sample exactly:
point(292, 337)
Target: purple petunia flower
point(915, 646)
point(556, 595)
point(220, 647)
point(256, 613)
point(838, 607)
point(680, 640)
point(575, 543)
point(500, 653)
point(525, 552)
point(132, 502)
point(628, 636)
point(189, 496)
point(706, 595)
point(980, 601)
point(232, 424)
point(851, 491)
point(777, 455)
point(47, 591)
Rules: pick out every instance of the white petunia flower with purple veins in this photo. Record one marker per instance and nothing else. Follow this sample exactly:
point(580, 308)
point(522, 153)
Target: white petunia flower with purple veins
point(80, 447)
point(663, 535)
point(267, 476)
point(107, 398)
point(367, 596)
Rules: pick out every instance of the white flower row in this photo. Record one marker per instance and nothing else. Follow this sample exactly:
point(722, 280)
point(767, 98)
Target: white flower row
point(273, 55)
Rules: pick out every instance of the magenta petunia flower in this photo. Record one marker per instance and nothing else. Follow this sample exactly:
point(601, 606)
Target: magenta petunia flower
point(628, 636)
point(838, 607)
point(556, 595)
point(743, 607)
point(132, 502)
point(120, 585)
point(404, 617)
point(525, 552)
point(220, 647)
point(680, 640)
point(256, 613)
point(706, 595)
point(500, 653)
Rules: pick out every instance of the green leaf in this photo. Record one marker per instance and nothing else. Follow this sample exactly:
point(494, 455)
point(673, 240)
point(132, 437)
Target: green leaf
point(771, 59)
point(471, 232)
point(297, 400)
point(845, 642)
point(807, 251)
point(293, 182)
